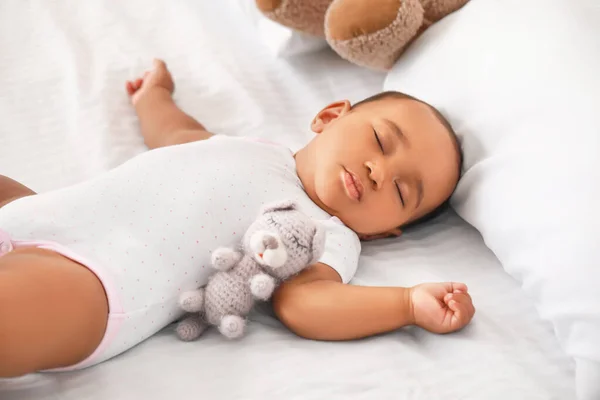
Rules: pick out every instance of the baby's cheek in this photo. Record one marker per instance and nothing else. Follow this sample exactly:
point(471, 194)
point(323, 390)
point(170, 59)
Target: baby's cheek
point(381, 216)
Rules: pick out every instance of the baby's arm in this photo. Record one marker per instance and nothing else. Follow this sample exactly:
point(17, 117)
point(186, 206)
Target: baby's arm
point(162, 122)
point(317, 305)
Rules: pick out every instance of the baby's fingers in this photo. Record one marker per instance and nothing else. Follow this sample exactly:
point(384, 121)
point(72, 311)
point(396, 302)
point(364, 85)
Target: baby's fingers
point(461, 306)
point(459, 287)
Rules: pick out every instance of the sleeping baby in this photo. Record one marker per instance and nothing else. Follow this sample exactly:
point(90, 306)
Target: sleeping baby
point(91, 270)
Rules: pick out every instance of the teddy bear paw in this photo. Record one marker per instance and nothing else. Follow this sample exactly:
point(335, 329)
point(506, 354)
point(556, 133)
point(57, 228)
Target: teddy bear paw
point(372, 33)
point(301, 15)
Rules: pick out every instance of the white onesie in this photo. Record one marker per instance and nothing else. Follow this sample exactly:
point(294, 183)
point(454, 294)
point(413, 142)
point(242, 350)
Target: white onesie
point(148, 227)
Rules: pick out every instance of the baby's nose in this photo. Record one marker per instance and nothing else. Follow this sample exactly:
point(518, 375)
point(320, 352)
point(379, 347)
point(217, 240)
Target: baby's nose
point(375, 174)
point(270, 242)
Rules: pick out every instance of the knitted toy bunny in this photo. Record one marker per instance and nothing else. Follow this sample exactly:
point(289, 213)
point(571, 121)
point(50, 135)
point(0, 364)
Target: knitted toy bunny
point(370, 33)
point(278, 245)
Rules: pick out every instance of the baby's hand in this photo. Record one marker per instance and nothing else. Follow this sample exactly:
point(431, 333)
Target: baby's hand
point(441, 307)
point(158, 76)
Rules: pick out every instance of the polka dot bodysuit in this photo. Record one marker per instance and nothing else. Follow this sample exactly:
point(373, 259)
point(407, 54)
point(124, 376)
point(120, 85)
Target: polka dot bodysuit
point(148, 227)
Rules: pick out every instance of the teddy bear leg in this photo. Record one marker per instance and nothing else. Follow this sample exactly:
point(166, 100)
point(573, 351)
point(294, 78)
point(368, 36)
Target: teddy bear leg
point(438, 9)
point(372, 33)
point(190, 328)
point(232, 326)
point(302, 15)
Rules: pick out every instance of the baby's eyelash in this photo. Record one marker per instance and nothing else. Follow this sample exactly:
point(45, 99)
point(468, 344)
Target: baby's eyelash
point(378, 140)
point(400, 195)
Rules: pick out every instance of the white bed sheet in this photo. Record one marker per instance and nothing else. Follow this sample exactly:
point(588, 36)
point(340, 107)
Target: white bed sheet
point(64, 117)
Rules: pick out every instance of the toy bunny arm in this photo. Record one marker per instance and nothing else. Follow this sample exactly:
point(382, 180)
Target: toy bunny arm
point(192, 300)
point(262, 286)
point(224, 258)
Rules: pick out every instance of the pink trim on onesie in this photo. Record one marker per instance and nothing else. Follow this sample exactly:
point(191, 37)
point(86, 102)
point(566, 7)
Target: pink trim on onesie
point(115, 310)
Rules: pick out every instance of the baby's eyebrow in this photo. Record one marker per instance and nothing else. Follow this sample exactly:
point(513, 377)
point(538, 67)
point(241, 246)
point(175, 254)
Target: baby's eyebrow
point(396, 129)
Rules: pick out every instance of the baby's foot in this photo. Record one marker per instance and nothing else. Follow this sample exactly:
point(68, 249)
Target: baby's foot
point(158, 77)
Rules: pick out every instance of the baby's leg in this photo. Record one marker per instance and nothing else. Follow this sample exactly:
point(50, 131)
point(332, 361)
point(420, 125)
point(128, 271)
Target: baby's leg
point(11, 190)
point(53, 312)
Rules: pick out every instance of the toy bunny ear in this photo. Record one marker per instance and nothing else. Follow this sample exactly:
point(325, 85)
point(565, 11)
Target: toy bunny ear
point(284, 205)
point(318, 244)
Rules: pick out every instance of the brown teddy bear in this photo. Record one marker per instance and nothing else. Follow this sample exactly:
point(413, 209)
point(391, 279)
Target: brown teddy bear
point(370, 33)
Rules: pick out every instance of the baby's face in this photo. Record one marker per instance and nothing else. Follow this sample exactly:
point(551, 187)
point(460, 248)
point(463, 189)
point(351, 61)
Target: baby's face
point(380, 165)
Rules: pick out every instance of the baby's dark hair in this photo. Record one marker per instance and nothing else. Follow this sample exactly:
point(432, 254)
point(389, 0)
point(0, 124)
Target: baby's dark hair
point(399, 95)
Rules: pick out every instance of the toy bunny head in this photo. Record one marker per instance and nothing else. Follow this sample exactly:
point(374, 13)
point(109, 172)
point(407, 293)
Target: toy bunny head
point(284, 240)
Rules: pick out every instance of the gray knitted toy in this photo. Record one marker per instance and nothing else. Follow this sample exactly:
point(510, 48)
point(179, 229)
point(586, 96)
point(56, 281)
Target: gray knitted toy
point(278, 245)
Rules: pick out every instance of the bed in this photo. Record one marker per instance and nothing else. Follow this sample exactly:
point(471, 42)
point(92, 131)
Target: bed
point(65, 117)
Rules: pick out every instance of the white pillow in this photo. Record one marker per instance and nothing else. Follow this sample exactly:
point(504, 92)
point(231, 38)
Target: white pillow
point(520, 82)
point(285, 42)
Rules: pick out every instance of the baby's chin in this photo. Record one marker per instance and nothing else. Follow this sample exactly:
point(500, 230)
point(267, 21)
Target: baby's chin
point(332, 198)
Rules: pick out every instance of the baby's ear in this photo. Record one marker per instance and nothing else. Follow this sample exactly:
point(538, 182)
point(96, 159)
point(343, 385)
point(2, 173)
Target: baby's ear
point(318, 244)
point(328, 114)
point(283, 205)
